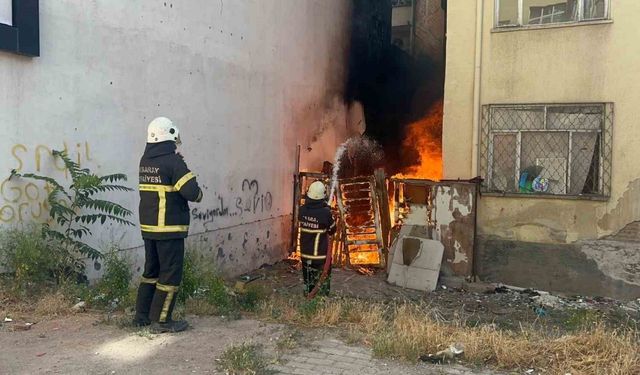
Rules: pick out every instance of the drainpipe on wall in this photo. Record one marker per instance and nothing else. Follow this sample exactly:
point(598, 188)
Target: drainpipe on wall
point(476, 87)
point(477, 75)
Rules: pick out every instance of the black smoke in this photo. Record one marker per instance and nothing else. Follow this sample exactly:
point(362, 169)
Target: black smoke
point(394, 87)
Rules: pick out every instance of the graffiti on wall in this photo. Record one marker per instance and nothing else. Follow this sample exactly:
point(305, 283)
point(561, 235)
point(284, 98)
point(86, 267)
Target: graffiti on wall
point(249, 201)
point(22, 201)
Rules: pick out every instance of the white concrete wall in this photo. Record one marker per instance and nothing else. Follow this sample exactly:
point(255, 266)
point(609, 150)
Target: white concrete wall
point(246, 81)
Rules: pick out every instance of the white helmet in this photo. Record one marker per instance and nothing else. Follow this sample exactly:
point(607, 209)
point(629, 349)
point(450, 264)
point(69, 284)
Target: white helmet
point(162, 129)
point(317, 191)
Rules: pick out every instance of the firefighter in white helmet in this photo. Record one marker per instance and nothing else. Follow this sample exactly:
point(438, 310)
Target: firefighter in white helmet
point(316, 224)
point(166, 187)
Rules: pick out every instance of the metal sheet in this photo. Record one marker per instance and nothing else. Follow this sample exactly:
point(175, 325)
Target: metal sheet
point(447, 212)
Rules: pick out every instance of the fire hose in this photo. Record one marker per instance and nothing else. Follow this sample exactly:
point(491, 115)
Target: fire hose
point(323, 277)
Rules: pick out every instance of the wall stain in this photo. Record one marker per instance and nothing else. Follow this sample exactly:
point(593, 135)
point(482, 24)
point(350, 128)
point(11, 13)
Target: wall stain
point(627, 209)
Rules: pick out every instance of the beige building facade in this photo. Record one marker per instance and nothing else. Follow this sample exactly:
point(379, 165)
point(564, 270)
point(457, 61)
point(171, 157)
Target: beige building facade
point(541, 101)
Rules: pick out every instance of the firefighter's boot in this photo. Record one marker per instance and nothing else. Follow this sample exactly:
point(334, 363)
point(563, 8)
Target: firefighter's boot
point(162, 306)
point(146, 290)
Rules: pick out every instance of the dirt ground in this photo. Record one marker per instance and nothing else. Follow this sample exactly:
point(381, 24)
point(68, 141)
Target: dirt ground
point(84, 344)
point(81, 344)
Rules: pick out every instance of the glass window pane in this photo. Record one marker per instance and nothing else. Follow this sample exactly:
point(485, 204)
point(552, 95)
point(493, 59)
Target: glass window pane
point(538, 12)
point(517, 118)
point(545, 155)
point(593, 9)
point(507, 13)
point(503, 165)
point(585, 163)
point(575, 117)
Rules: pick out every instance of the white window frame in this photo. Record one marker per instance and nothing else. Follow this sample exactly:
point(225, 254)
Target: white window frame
point(520, 23)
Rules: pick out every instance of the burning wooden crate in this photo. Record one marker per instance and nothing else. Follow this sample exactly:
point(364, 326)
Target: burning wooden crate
point(359, 207)
point(362, 217)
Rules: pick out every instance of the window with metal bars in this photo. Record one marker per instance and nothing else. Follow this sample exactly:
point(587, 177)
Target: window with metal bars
point(554, 149)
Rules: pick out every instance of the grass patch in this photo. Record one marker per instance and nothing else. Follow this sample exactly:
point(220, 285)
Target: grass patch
point(582, 318)
point(289, 341)
point(407, 331)
point(53, 304)
point(204, 292)
point(244, 359)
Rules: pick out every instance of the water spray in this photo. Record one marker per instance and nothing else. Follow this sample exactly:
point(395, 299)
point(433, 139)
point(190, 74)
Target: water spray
point(336, 168)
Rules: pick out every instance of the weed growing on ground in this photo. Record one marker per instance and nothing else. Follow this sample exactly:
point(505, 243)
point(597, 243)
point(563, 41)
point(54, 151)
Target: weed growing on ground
point(582, 318)
point(309, 309)
point(113, 290)
point(145, 333)
point(203, 292)
point(244, 359)
point(192, 278)
point(289, 341)
point(53, 304)
point(213, 298)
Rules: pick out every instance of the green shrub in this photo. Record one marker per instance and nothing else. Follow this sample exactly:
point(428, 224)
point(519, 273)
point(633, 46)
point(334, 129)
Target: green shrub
point(192, 279)
point(203, 291)
point(113, 290)
point(75, 208)
point(35, 262)
point(309, 308)
point(250, 300)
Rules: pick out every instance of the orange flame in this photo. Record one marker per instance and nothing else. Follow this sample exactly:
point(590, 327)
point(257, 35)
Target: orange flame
point(425, 137)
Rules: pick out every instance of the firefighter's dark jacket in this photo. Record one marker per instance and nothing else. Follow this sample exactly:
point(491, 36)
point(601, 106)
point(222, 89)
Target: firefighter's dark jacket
point(315, 222)
point(166, 187)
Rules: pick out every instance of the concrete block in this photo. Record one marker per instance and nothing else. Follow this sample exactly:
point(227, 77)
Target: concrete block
point(430, 255)
point(398, 275)
point(421, 279)
point(397, 244)
point(416, 263)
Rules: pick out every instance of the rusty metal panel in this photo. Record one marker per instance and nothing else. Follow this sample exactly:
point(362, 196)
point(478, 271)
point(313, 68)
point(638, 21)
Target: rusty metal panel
point(446, 211)
point(454, 208)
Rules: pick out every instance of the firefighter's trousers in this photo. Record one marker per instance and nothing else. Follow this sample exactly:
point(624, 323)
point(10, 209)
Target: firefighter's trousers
point(164, 260)
point(311, 272)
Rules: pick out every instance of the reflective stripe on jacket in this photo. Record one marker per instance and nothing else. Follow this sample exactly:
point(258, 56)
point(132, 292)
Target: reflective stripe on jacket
point(166, 187)
point(315, 223)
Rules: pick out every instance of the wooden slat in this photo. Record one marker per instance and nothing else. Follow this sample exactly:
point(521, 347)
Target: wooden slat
point(383, 204)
